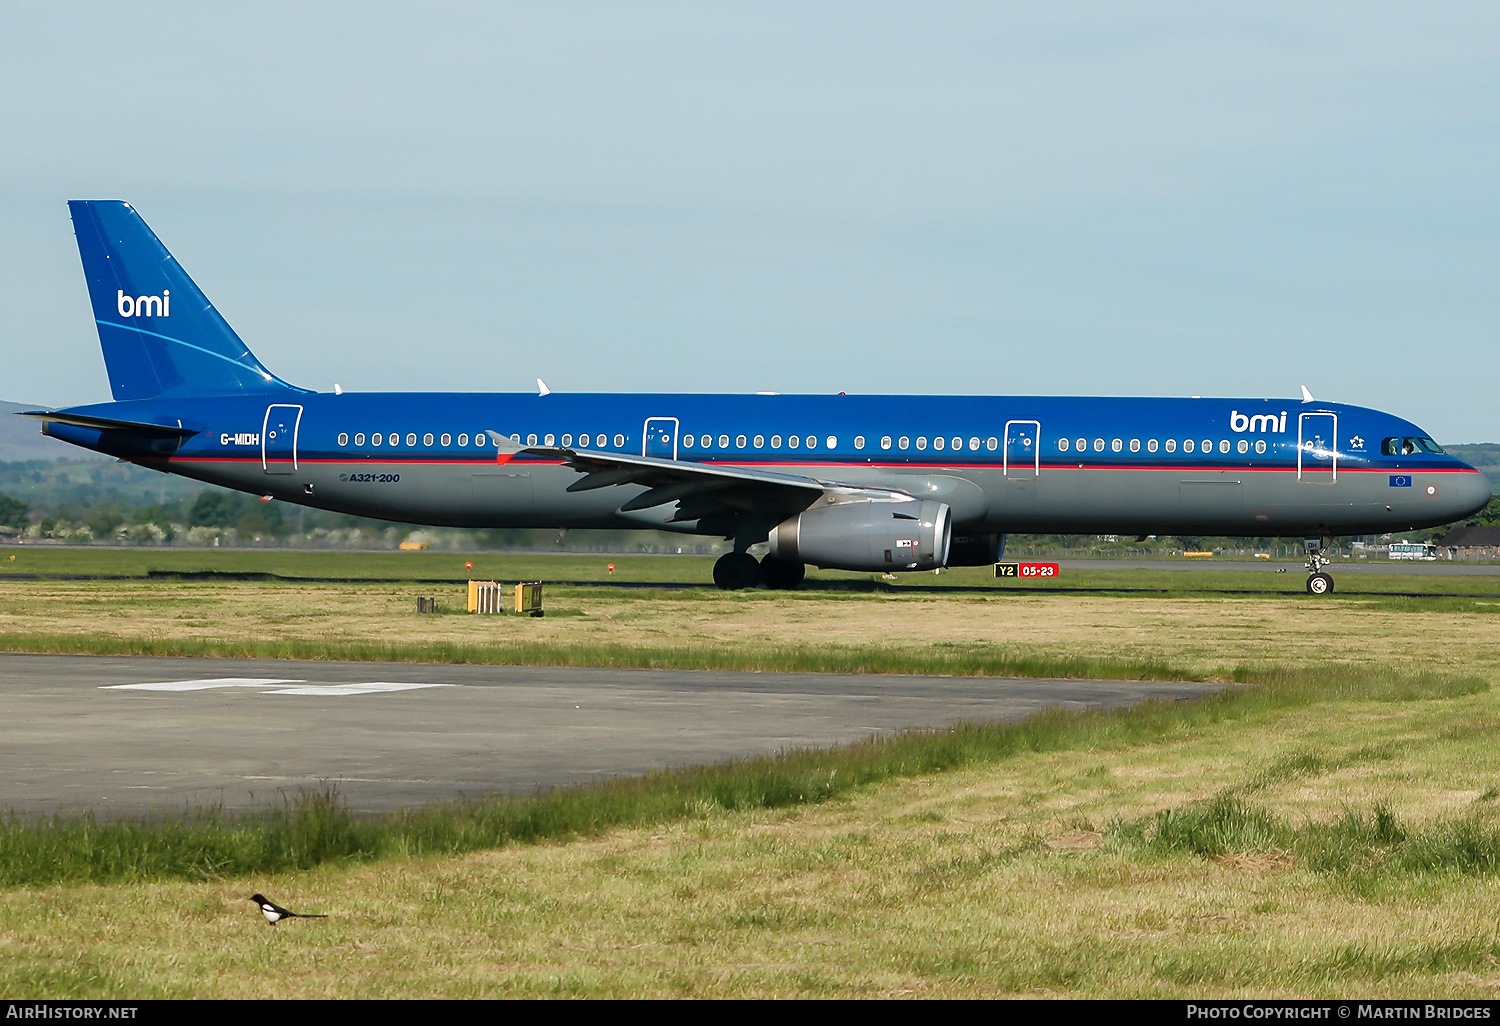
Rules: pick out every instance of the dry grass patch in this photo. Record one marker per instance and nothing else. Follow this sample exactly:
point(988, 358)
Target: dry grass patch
point(1200, 634)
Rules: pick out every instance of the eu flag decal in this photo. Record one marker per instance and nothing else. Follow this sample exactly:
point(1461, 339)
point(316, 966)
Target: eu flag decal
point(1400, 480)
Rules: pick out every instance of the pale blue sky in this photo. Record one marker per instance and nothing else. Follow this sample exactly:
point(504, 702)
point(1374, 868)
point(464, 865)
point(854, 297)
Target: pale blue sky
point(1159, 199)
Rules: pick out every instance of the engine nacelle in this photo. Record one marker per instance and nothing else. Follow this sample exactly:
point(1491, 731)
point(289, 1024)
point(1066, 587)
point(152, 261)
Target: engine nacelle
point(875, 535)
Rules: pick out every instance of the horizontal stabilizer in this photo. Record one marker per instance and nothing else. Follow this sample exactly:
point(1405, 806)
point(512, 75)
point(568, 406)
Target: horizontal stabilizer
point(109, 424)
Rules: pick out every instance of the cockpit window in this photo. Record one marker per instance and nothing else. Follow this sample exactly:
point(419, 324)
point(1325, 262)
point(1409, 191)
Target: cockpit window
point(1409, 447)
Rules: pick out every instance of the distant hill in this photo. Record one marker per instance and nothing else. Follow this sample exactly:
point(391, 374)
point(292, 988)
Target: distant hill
point(21, 438)
point(1483, 456)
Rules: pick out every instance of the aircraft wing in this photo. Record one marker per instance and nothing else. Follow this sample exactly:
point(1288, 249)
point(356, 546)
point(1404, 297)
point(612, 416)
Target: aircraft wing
point(700, 490)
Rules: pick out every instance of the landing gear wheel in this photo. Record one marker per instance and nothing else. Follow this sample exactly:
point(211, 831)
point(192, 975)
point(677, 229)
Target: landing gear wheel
point(781, 574)
point(736, 570)
point(1320, 584)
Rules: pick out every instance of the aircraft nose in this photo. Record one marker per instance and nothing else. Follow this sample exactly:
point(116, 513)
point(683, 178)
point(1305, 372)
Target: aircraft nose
point(1468, 494)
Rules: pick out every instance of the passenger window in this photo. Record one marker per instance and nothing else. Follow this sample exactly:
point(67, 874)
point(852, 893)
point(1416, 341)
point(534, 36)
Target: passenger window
point(479, 437)
point(833, 442)
point(427, 439)
point(531, 439)
point(448, 440)
point(1098, 445)
point(937, 444)
point(859, 441)
point(991, 442)
point(903, 442)
point(792, 441)
point(885, 441)
point(1135, 445)
point(1171, 445)
point(343, 438)
point(463, 439)
point(776, 441)
point(549, 440)
point(1151, 445)
point(1224, 445)
point(619, 441)
point(1243, 446)
point(1116, 445)
point(723, 441)
point(739, 441)
point(1083, 444)
point(760, 441)
point(376, 438)
point(921, 442)
point(1187, 445)
point(411, 439)
point(812, 441)
point(973, 445)
point(1062, 445)
point(1208, 445)
point(1260, 445)
point(567, 441)
point(359, 439)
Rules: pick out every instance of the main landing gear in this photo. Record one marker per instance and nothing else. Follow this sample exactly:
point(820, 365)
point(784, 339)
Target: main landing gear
point(1318, 582)
point(736, 570)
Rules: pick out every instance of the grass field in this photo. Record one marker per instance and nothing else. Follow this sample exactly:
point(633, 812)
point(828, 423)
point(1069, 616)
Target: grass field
point(637, 570)
point(1332, 830)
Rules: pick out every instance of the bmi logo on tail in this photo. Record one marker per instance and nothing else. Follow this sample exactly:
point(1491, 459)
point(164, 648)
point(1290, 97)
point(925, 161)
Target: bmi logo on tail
point(144, 306)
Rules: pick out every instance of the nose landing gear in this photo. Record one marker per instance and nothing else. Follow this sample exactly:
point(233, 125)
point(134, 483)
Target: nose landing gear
point(1318, 582)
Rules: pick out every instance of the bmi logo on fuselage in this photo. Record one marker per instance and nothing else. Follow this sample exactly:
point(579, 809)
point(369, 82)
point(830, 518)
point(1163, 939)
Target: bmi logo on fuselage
point(1262, 422)
point(144, 306)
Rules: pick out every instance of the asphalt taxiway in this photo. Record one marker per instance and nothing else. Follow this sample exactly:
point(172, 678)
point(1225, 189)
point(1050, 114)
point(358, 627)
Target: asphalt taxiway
point(125, 736)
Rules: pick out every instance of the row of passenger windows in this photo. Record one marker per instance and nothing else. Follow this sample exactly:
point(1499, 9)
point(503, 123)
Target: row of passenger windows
point(481, 439)
point(904, 442)
point(1188, 445)
point(831, 442)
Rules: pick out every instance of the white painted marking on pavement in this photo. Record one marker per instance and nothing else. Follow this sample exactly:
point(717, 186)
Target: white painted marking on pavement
point(202, 685)
point(268, 686)
point(353, 689)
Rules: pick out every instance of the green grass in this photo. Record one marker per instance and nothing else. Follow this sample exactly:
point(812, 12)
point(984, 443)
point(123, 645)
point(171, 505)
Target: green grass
point(978, 660)
point(635, 570)
point(314, 828)
point(1369, 850)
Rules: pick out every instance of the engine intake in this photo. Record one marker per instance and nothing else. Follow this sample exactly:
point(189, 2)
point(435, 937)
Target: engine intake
point(873, 535)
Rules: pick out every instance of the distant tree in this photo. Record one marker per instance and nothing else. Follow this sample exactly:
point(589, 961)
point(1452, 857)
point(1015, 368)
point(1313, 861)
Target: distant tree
point(1487, 517)
point(217, 509)
point(14, 512)
point(264, 519)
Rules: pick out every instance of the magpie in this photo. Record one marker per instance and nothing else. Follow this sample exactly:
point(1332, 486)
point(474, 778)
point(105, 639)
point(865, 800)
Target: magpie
point(274, 913)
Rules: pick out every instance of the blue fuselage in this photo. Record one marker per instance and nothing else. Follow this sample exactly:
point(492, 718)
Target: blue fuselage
point(1258, 467)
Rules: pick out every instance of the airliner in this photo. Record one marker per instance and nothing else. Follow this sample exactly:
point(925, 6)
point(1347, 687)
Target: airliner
point(876, 483)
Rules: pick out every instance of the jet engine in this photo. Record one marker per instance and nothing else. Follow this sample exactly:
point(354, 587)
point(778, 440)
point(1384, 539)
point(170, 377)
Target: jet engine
point(869, 535)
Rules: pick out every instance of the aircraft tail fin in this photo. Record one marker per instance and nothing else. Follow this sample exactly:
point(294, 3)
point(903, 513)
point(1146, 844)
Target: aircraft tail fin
point(159, 332)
